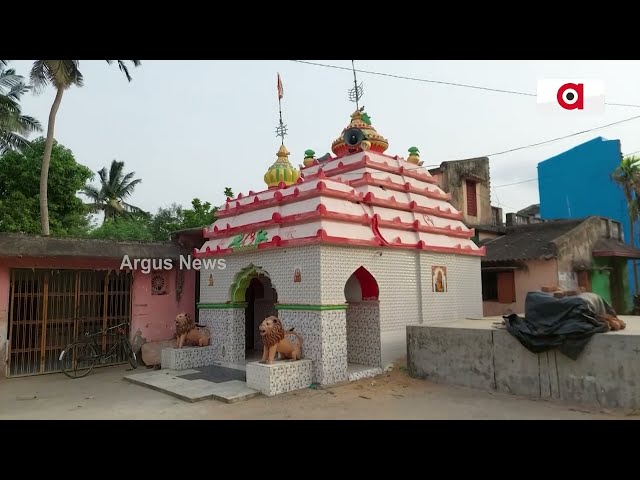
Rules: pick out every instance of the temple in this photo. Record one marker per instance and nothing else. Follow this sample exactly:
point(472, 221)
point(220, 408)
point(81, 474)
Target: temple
point(348, 249)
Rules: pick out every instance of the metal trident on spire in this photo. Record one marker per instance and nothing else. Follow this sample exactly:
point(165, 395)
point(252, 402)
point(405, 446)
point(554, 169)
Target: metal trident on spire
point(357, 91)
point(281, 130)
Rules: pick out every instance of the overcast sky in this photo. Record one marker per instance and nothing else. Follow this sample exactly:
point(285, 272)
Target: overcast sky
point(190, 128)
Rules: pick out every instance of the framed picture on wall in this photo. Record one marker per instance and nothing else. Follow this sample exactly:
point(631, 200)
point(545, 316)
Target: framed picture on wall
point(439, 279)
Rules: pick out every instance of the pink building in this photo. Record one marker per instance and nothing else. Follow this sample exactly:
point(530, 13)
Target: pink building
point(52, 289)
point(588, 253)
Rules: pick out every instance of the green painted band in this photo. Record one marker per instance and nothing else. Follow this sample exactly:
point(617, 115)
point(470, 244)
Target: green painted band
point(221, 305)
point(281, 306)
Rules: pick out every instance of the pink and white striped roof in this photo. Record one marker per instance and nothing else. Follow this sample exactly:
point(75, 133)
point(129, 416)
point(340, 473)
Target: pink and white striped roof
point(363, 199)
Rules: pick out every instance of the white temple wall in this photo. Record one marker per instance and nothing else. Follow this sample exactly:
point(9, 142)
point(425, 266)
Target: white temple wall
point(404, 277)
point(280, 264)
point(406, 293)
point(406, 297)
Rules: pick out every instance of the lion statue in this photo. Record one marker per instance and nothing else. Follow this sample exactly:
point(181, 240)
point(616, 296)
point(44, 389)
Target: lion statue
point(188, 333)
point(274, 341)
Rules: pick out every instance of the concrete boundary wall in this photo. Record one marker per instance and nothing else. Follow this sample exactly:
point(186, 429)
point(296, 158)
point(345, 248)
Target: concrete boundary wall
point(607, 373)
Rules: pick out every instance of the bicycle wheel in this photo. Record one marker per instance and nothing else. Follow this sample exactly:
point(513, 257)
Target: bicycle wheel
point(78, 359)
point(128, 350)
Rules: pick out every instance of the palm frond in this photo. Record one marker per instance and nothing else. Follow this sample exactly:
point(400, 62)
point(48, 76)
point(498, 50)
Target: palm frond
point(115, 174)
point(20, 124)
point(94, 207)
point(127, 178)
point(9, 80)
point(123, 66)
point(104, 179)
point(12, 141)
point(29, 124)
point(91, 192)
point(58, 73)
point(8, 107)
point(127, 190)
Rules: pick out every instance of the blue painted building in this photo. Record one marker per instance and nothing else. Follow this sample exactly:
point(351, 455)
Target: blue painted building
point(577, 183)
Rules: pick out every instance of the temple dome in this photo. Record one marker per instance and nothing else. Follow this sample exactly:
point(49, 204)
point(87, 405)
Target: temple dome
point(281, 170)
point(362, 137)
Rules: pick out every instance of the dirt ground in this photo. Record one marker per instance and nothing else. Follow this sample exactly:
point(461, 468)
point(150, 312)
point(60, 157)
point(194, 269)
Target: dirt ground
point(104, 394)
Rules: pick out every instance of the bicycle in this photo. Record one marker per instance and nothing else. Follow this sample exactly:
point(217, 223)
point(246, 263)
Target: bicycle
point(81, 354)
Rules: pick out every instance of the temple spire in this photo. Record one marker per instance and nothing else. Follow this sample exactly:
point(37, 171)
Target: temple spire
point(356, 93)
point(281, 171)
point(281, 129)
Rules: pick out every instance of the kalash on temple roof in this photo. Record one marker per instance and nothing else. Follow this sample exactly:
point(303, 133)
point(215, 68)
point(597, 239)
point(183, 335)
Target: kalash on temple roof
point(360, 196)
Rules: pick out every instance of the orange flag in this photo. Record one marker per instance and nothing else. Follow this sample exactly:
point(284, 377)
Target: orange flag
point(280, 90)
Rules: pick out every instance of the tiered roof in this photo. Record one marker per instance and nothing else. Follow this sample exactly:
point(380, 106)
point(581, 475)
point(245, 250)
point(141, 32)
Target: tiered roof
point(360, 197)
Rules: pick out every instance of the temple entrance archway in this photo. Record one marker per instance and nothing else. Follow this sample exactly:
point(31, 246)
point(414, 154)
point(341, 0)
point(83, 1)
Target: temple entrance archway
point(363, 322)
point(252, 286)
point(261, 298)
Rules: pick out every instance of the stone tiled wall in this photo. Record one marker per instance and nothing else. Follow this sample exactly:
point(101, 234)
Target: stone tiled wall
point(405, 288)
point(227, 332)
point(187, 357)
point(404, 277)
point(406, 298)
point(363, 333)
point(463, 297)
point(279, 377)
point(280, 264)
point(325, 341)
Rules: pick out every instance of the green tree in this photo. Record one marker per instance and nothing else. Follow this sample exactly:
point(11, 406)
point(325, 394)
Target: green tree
point(114, 188)
point(19, 190)
point(132, 227)
point(627, 175)
point(157, 227)
point(228, 192)
point(61, 74)
point(165, 221)
point(14, 126)
point(200, 215)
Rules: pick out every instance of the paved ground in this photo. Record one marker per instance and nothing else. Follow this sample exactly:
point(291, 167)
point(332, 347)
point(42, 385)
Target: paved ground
point(104, 394)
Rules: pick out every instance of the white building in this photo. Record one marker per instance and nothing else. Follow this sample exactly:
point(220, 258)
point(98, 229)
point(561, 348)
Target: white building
point(349, 250)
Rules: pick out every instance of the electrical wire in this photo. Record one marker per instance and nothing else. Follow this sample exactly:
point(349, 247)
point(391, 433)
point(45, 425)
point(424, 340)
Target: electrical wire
point(515, 149)
point(564, 137)
point(536, 178)
point(489, 89)
point(440, 82)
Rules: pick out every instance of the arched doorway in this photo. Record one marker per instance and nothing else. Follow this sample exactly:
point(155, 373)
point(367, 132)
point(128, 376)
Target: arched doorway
point(252, 285)
point(363, 322)
point(261, 298)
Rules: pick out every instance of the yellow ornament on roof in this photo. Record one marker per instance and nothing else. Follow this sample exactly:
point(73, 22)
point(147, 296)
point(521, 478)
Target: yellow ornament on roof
point(281, 170)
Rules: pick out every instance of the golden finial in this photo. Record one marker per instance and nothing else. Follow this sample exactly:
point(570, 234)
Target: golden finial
point(281, 170)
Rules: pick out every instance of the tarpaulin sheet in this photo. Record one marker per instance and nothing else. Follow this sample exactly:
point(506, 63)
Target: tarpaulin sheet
point(565, 323)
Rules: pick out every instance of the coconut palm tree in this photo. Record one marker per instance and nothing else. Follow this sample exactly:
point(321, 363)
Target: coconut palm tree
point(13, 125)
point(627, 175)
point(115, 187)
point(61, 74)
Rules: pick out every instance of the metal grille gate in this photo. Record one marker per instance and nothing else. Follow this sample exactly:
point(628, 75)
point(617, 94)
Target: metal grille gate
point(49, 308)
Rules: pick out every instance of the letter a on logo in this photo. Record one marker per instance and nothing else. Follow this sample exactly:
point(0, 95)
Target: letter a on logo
point(571, 96)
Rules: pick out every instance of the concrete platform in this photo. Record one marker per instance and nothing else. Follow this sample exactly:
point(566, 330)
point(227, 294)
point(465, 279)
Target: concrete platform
point(476, 353)
point(195, 385)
